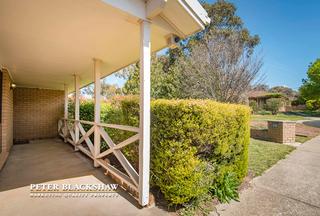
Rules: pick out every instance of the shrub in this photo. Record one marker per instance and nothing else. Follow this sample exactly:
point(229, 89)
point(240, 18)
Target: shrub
point(226, 189)
point(273, 105)
point(254, 106)
point(313, 104)
point(194, 143)
point(298, 101)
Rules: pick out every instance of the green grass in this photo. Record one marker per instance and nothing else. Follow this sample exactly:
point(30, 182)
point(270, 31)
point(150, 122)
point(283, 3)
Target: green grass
point(302, 139)
point(280, 116)
point(263, 154)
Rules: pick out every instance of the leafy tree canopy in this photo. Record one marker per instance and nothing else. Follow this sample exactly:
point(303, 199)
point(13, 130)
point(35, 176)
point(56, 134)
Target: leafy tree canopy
point(310, 89)
point(284, 90)
point(164, 81)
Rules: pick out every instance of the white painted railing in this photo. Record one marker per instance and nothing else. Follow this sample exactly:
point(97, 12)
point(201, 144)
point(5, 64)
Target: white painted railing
point(67, 128)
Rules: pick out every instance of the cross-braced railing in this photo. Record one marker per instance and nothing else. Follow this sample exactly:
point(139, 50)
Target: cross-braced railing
point(67, 129)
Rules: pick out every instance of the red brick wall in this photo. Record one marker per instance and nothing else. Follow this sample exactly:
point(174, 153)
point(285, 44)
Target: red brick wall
point(36, 113)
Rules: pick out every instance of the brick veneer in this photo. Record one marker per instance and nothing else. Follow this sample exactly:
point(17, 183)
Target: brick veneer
point(6, 125)
point(7, 114)
point(36, 113)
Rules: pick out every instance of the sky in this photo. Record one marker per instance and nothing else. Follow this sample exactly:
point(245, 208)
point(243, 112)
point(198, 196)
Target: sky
point(289, 31)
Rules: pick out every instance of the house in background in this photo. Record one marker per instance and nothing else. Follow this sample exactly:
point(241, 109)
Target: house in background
point(261, 97)
point(51, 48)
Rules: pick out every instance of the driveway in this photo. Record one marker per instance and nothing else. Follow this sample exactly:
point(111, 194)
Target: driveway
point(291, 187)
point(313, 123)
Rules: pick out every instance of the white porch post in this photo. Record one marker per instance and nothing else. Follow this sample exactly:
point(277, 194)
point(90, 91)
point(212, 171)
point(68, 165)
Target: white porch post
point(97, 108)
point(144, 144)
point(77, 108)
point(65, 101)
point(65, 122)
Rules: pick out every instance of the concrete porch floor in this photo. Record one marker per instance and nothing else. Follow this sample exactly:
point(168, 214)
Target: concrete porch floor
point(55, 162)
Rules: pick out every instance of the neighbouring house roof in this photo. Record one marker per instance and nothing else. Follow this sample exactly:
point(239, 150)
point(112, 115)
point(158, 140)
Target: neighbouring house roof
point(263, 95)
point(44, 43)
point(256, 94)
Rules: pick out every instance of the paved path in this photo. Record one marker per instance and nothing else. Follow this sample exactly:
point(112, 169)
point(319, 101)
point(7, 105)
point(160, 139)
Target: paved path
point(311, 121)
point(291, 187)
point(55, 162)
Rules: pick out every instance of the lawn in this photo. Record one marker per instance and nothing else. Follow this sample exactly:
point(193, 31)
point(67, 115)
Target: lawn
point(280, 116)
point(263, 154)
point(302, 139)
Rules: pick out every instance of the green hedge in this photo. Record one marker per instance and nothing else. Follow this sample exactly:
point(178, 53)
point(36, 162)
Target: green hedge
point(194, 143)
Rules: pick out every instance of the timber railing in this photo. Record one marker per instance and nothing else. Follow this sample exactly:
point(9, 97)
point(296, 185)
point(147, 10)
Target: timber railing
point(73, 132)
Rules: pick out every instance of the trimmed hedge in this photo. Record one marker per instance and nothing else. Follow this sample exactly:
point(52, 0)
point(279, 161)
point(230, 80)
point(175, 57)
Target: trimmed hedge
point(194, 143)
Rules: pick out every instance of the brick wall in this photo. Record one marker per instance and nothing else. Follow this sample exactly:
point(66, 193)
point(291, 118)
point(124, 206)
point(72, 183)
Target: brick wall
point(278, 131)
point(6, 125)
point(7, 112)
point(259, 134)
point(36, 113)
point(282, 131)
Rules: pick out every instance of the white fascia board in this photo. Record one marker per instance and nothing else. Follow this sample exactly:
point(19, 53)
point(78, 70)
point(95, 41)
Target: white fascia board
point(133, 7)
point(198, 12)
point(155, 7)
point(147, 10)
point(139, 8)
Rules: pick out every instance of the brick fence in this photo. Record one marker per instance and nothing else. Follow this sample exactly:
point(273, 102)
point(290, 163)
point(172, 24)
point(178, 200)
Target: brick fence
point(36, 113)
point(278, 131)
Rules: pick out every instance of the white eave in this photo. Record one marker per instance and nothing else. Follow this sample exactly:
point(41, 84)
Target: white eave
point(43, 42)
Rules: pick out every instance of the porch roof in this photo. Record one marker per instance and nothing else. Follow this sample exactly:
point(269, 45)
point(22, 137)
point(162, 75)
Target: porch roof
point(44, 43)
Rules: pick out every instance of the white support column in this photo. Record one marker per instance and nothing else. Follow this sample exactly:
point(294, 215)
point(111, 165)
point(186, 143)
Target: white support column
point(77, 107)
point(144, 144)
point(97, 108)
point(65, 101)
point(65, 112)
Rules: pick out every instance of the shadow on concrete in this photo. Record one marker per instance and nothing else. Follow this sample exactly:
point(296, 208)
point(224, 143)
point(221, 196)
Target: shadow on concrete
point(49, 160)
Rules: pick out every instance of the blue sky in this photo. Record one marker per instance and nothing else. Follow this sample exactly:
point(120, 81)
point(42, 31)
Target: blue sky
point(290, 37)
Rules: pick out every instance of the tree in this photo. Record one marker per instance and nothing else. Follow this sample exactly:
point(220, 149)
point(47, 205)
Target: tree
point(235, 67)
point(164, 81)
point(219, 68)
point(254, 106)
point(310, 89)
point(289, 93)
point(107, 90)
point(260, 87)
point(273, 105)
point(224, 22)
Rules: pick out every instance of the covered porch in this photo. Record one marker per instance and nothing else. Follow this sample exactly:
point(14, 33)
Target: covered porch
point(64, 46)
point(52, 161)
